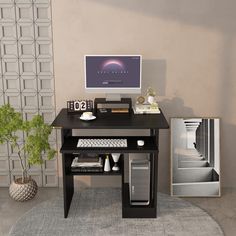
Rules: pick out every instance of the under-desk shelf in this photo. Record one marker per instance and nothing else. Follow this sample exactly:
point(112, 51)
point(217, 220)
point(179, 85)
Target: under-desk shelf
point(110, 173)
point(150, 145)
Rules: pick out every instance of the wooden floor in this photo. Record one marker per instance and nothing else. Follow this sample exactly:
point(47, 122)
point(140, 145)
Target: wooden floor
point(223, 209)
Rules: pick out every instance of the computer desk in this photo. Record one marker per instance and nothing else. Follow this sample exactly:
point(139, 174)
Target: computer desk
point(152, 122)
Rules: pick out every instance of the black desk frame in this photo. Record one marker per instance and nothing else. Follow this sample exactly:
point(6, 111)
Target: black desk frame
point(153, 123)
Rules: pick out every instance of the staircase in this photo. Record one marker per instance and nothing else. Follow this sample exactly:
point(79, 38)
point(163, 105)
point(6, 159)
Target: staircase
point(194, 176)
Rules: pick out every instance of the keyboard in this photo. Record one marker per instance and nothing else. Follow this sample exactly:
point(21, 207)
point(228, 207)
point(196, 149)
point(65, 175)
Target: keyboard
point(102, 142)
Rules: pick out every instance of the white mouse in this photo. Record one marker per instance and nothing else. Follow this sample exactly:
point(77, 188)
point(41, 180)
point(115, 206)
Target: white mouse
point(140, 143)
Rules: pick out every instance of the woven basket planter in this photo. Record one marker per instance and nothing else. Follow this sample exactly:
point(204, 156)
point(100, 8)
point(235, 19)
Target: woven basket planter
point(23, 191)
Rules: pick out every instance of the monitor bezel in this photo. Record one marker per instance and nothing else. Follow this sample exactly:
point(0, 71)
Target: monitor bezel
point(119, 90)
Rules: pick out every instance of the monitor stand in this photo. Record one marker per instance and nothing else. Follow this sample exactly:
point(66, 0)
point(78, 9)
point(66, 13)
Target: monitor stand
point(113, 97)
point(122, 106)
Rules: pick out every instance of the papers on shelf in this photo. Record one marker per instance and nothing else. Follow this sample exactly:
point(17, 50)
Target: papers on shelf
point(87, 162)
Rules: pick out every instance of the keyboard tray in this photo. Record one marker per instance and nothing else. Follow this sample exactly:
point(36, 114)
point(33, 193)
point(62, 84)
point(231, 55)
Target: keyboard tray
point(70, 145)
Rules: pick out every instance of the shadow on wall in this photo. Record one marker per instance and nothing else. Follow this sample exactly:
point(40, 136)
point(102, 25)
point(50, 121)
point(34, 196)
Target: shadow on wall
point(214, 15)
point(154, 75)
point(175, 106)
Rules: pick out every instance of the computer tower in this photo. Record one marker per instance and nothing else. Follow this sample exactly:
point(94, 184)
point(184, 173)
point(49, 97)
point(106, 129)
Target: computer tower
point(139, 181)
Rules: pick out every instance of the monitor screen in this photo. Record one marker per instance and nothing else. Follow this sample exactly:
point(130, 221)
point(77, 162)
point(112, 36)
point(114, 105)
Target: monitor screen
point(113, 73)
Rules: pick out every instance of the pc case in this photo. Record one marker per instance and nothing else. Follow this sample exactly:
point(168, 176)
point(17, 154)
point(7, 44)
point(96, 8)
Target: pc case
point(139, 181)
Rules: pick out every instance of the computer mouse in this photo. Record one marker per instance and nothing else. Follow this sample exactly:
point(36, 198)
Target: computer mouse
point(140, 143)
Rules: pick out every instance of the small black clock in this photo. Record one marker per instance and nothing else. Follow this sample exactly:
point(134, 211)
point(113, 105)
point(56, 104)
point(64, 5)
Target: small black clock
point(79, 105)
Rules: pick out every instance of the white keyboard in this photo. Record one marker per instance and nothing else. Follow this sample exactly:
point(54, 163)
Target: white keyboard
point(102, 142)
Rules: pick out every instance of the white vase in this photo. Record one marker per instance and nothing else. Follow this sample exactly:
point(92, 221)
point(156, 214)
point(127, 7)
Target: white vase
point(107, 166)
point(116, 157)
point(151, 99)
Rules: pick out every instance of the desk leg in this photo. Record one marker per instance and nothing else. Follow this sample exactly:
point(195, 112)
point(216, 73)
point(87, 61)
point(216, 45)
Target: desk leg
point(154, 184)
point(68, 180)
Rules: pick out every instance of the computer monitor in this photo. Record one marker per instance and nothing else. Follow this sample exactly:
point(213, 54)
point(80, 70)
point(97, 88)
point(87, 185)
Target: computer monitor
point(113, 74)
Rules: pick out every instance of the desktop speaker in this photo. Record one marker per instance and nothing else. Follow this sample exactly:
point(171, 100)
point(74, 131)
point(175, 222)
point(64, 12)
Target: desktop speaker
point(139, 181)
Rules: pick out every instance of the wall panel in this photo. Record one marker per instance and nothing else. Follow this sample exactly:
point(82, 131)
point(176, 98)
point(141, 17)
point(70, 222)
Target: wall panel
point(27, 77)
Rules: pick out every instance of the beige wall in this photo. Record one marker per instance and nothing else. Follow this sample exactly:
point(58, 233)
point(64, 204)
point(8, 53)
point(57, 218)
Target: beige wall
point(189, 52)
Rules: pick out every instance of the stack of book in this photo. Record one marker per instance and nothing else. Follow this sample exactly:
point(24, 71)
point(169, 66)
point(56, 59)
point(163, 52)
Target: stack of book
point(87, 164)
point(146, 109)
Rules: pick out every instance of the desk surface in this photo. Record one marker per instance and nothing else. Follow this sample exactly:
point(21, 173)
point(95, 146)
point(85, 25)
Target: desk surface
point(111, 121)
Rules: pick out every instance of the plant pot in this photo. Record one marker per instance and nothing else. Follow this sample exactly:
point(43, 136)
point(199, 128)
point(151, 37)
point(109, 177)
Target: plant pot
point(23, 191)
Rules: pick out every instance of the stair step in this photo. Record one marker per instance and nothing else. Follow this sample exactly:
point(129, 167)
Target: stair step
point(194, 174)
point(190, 158)
point(197, 189)
point(186, 151)
point(192, 164)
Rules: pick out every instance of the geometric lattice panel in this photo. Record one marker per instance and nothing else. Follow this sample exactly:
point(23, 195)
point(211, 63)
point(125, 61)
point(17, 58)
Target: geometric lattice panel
point(27, 77)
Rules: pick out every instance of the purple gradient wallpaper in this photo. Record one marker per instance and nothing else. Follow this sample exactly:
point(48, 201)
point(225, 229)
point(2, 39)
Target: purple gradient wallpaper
point(113, 71)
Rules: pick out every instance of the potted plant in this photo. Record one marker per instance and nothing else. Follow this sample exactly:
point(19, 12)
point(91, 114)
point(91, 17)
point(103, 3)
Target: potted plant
point(36, 144)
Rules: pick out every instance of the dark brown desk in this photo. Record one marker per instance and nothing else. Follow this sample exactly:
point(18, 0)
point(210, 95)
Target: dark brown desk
point(152, 122)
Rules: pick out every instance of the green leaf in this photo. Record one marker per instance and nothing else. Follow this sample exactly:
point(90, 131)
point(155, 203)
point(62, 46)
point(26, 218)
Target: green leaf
point(36, 142)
